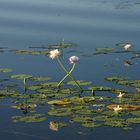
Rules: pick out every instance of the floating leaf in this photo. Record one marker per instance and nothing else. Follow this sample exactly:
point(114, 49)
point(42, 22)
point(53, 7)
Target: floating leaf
point(82, 119)
point(21, 76)
point(80, 82)
point(62, 45)
point(59, 112)
point(124, 106)
point(101, 88)
point(134, 120)
point(5, 70)
point(30, 119)
point(31, 52)
point(40, 78)
point(8, 93)
point(91, 125)
point(136, 113)
point(116, 123)
point(24, 106)
point(60, 102)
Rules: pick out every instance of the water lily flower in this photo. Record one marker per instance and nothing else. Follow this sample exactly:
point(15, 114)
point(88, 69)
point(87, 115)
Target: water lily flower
point(74, 59)
point(54, 54)
point(118, 108)
point(120, 95)
point(127, 46)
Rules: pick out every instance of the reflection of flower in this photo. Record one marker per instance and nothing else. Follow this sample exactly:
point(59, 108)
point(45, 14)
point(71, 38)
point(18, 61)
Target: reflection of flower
point(54, 125)
point(54, 54)
point(127, 46)
point(74, 59)
point(120, 95)
point(118, 108)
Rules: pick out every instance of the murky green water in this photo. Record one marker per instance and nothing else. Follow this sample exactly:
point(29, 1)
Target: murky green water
point(92, 24)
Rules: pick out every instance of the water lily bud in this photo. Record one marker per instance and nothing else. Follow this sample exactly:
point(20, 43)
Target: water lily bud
point(54, 54)
point(74, 59)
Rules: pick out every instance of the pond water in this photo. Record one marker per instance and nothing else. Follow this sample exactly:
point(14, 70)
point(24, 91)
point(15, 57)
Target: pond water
point(98, 30)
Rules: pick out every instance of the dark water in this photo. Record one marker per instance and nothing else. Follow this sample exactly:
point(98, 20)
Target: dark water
point(91, 24)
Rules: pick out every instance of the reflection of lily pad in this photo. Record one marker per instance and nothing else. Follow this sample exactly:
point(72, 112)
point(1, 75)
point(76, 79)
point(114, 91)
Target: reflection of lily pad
point(5, 70)
point(29, 119)
point(21, 76)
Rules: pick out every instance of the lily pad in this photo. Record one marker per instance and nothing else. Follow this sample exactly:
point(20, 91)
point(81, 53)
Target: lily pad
point(60, 112)
point(5, 70)
point(40, 78)
point(124, 106)
point(30, 119)
point(21, 76)
point(91, 125)
point(101, 88)
point(60, 102)
point(80, 82)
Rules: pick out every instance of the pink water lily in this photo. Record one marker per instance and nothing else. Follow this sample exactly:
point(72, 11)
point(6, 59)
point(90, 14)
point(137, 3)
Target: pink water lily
point(74, 59)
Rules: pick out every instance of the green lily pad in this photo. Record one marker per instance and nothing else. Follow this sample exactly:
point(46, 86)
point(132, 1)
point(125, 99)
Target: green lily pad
point(31, 52)
point(30, 119)
point(59, 112)
point(136, 113)
point(82, 100)
point(40, 78)
point(117, 123)
point(91, 125)
point(8, 93)
point(5, 70)
point(105, 49)
point(134, 120)
point(62, 45)
point(82, 119)
point(21, 76)
point(80, 82)
point(101, 88)
point(60, 102)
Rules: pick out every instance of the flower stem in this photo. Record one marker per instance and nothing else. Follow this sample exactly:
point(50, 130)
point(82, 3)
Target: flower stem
point(68, 73)
point(25, 85)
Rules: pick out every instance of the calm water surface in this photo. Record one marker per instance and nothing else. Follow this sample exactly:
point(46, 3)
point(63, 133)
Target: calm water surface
point(91, 24)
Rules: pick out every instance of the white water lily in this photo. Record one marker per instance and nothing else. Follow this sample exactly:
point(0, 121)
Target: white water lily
point(127, 46)
point(54, 54)
point(74, 59)
point(118, 108)
point(120, 95)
